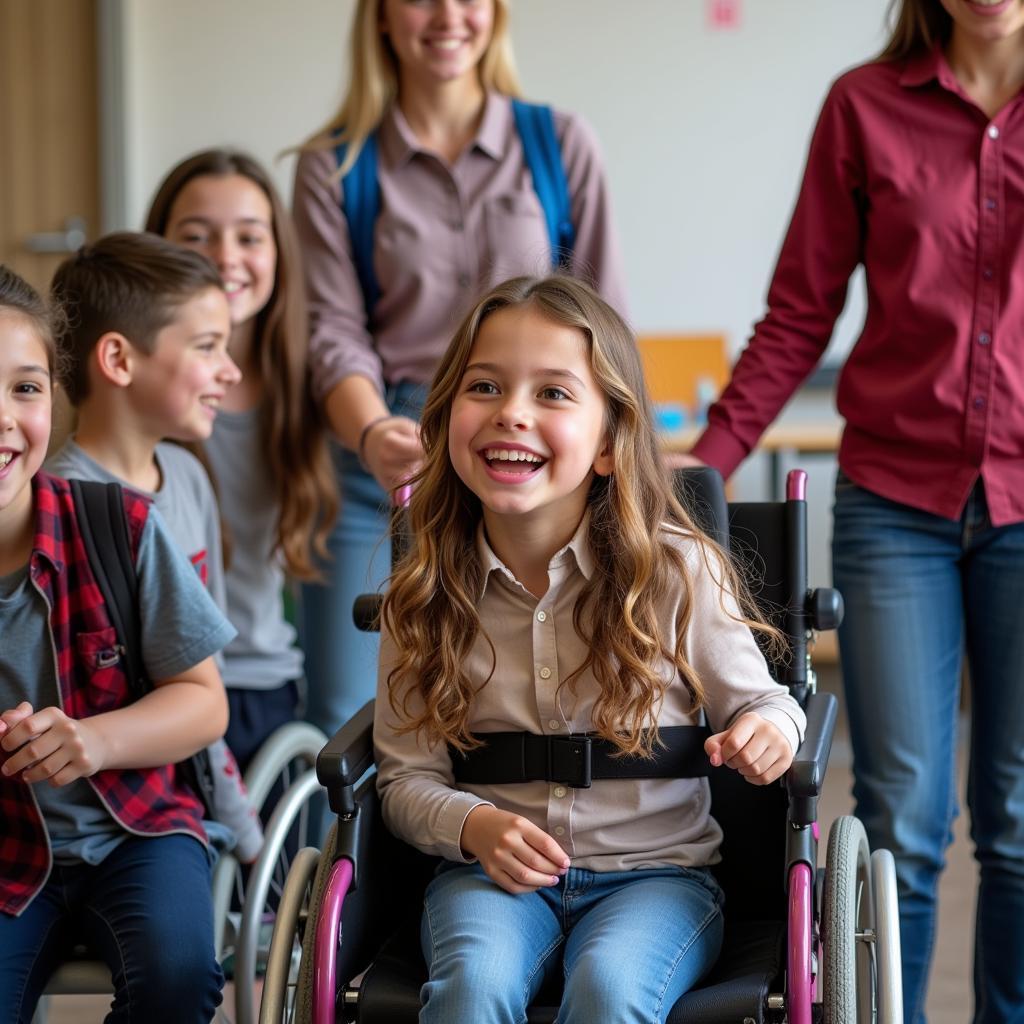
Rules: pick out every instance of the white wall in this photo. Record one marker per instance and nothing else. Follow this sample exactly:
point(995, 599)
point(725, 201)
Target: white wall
point(704, 131)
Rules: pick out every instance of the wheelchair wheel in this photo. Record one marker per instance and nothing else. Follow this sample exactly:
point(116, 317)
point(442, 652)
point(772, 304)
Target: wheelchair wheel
point(287, 752)
point(304, 993)
point(291, 820)
point(848, 926)
point(278, 1005)
point(887, 938)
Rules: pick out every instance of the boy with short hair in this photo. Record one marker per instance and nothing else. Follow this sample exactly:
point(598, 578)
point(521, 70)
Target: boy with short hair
point(146, 359)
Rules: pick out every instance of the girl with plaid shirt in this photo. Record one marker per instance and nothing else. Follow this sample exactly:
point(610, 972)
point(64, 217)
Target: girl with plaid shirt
point(97, 829)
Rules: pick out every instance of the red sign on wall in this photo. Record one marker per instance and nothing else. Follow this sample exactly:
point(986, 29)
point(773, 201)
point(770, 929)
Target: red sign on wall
point(724, 13)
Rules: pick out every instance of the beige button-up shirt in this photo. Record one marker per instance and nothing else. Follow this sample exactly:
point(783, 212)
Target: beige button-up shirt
point(617, 824)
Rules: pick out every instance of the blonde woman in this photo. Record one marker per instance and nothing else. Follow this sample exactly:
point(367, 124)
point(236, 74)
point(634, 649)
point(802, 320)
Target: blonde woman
point(431, 91)
point(916, 170)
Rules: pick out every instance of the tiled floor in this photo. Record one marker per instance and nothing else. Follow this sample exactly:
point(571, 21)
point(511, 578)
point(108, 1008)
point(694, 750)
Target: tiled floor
point(949, 999)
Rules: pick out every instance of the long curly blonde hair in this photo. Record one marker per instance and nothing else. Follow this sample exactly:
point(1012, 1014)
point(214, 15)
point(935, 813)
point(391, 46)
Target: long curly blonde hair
point(430, 606)
point(373, 78)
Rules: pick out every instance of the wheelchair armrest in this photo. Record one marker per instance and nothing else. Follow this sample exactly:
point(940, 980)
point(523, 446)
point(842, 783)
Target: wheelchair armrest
point(366, 612)
point(345, 759)
point(807, 772)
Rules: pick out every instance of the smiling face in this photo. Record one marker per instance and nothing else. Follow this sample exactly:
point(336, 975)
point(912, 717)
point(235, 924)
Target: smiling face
point(26, 401)
point(438, 41)
point(229, 220)
point(986, 21)
point(527, 428)
point(178, 388)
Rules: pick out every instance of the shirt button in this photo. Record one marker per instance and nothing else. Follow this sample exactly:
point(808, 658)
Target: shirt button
point(984, 338)
point(987, 273)
point(559, 831)
point(559, 791)
point(979, 403)
point(990, 204)
point(542, 616)
point(545, 673)
point(993, 132)
point(457, 224)
point(463, 280)
point(554, 724)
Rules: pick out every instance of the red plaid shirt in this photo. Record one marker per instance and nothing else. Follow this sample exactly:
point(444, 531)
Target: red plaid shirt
point(150, 801)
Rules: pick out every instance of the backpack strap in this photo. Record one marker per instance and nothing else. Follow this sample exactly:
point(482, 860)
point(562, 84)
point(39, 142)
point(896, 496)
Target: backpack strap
point(536, 126)
point(103, 527)
point(360, 189)
point(99, 508)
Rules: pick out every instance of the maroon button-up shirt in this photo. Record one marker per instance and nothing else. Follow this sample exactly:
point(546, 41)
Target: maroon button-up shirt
point(909, 177)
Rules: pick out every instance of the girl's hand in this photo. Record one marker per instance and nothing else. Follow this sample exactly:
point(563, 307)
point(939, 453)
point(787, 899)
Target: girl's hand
point(392, 451)
point(755, 747)
point(46, 744)
point(516, 854)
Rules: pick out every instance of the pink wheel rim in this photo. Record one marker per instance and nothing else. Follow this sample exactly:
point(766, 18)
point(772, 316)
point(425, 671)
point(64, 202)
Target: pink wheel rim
point(325, 945)
point(799, 972)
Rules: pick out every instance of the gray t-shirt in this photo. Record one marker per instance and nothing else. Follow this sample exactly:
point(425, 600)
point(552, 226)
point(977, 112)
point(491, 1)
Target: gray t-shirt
point(181, 627)
point(263, 655)
point(185, 500)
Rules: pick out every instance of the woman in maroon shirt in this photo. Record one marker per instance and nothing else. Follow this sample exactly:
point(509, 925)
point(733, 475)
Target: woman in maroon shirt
point(916, 170)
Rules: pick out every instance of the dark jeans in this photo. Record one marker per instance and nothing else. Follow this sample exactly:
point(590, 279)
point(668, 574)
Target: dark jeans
point(921, 592)
point(145, 911)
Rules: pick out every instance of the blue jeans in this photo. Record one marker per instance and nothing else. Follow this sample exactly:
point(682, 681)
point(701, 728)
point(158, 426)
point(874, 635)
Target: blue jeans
point(341, 661)
point(145, 911)
point(921, 592)
point(629, 943)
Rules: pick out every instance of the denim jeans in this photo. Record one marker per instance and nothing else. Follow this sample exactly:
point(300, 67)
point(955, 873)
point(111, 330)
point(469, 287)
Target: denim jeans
point(341, 661)
point(629, 943)
point(145, 910)
point(920, 592)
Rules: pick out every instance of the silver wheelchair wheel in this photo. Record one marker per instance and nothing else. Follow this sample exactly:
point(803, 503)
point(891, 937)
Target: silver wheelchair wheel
point(888, 973)
point(279, 1002)
point(266, 884)
point(848, 926)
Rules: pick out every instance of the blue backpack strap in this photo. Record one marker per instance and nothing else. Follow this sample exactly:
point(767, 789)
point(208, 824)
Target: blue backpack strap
point(536, 127)
point(361, 205)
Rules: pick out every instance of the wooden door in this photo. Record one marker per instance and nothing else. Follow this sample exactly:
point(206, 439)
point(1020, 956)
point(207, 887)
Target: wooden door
point(49, 133)
point(49, 141)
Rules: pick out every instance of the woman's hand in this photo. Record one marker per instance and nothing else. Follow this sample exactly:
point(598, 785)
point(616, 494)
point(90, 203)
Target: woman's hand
point(392, 451)
point(680, 460)
point(754, 747)
point(46, 744)
point(515, 853)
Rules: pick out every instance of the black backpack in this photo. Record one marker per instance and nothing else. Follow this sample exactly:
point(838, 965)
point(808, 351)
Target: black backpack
point(99, 508)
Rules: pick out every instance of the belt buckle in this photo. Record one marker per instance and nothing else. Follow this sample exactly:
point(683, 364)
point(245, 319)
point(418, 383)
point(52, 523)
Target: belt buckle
point(569, 760)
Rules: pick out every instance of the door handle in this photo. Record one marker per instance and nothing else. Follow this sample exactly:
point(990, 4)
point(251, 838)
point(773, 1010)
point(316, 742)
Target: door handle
point(71, 239)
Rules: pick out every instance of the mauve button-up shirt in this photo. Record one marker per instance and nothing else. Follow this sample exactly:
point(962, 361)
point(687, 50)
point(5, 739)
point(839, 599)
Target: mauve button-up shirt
point(617, 824)
point(909, 177)
point(445, 234)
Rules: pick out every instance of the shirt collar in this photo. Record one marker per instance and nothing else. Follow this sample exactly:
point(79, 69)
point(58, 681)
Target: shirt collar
point(930, 66)
point(44, 542)
point(577, 550)
point(399, 143)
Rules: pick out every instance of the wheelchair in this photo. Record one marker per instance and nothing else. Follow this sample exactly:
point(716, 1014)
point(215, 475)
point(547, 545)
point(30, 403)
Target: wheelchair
point(244, 903)
point(802, 944)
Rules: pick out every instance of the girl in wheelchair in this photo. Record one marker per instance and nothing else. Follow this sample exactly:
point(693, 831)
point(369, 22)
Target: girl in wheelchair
point(559, 619)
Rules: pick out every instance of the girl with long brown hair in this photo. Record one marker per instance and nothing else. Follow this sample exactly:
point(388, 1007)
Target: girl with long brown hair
point(268, 451)
point(916, 171)
point(554, 586)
